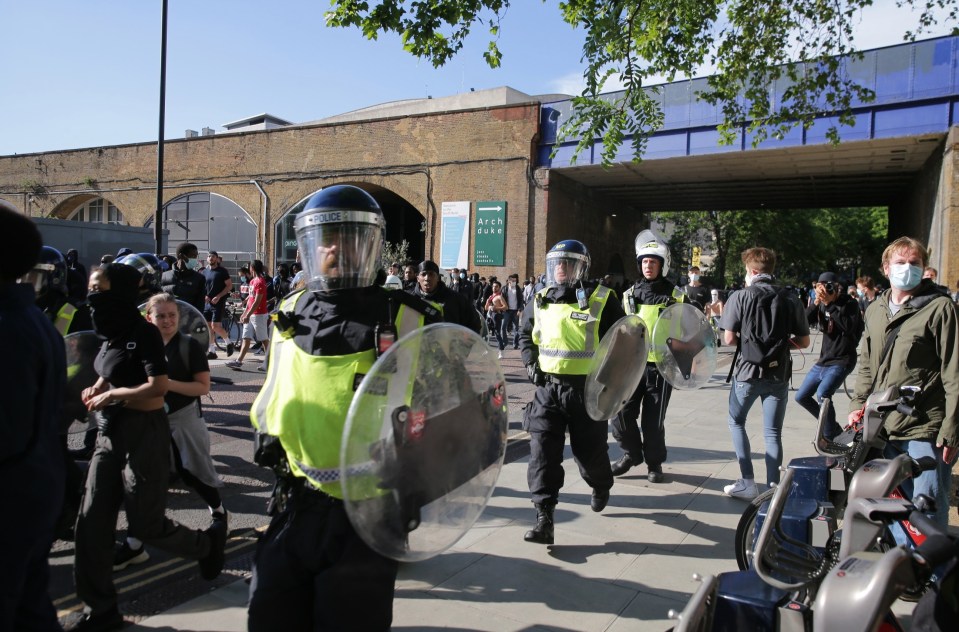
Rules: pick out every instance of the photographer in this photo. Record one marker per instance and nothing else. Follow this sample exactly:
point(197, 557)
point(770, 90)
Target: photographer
point(838, 317)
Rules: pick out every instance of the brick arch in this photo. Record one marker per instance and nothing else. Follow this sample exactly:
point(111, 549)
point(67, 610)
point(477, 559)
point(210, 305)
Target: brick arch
point(389, 192)
point(10, 206)
point(67, 206)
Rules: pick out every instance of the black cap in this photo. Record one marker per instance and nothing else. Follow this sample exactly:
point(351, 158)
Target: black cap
point(428, 266)
point(828, 277)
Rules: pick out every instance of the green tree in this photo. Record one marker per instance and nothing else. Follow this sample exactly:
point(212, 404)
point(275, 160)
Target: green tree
point(752, 44)
point(395, 252)
point(807, 242)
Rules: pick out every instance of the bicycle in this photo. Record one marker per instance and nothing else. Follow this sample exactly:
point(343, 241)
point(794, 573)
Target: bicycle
point(824, 481)
point(230, 322)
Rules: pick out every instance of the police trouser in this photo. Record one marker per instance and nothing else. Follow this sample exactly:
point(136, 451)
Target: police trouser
point(130, 467)
point(647, 404)
point(313, 572)
point(556, 408)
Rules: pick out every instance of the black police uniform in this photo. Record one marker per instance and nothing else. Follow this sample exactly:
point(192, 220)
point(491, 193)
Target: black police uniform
point(648, 402)
point(312, 571)
point(558, 406)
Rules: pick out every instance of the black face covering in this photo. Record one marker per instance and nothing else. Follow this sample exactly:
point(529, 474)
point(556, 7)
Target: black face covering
point(113, 314)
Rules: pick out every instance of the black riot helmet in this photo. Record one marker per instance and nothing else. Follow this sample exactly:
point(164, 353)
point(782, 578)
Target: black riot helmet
point(48, 276)
point(340, 233)
point(150, 270)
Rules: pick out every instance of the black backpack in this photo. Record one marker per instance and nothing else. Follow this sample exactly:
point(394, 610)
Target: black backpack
point(766, 329)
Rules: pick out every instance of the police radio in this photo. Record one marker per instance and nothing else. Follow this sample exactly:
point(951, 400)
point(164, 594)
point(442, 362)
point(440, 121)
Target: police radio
point(581, 297)
point(384, 335)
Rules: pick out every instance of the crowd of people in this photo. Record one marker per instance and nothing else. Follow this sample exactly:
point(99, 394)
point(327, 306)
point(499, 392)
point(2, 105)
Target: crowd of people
point(326, 320)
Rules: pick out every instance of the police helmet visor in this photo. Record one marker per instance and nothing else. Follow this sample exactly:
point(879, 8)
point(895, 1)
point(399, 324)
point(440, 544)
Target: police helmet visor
point(565, 268)
point(339, 249)
point(37, 277)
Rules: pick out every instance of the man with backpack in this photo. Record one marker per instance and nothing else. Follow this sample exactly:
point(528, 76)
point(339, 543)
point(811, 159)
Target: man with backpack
point(838, 317)
point(765, 321)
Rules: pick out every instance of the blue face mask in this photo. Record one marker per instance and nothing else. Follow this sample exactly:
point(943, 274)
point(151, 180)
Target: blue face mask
point(192, 263)
point(904, 276)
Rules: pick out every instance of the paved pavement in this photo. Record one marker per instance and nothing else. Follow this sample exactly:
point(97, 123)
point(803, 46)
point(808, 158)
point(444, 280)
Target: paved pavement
point(622, 569)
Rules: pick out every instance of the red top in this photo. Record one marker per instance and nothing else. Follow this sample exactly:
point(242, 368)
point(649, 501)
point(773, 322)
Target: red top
point(257, 290)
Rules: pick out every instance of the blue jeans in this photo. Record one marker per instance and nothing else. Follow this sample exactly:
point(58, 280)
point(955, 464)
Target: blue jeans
point(510, 317)
point(824, 381)
point(774, 396)
point(933, 483)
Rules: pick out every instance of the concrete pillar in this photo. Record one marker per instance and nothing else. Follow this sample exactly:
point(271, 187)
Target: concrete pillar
point(944, 231)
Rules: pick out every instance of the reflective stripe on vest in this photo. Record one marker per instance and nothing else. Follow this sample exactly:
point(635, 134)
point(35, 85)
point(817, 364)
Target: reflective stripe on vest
point(305, 399)
point(650, 316)
point(64, 318)
point(566, 335)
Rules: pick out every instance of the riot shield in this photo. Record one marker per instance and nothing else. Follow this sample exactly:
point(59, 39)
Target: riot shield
point(684, 346)
point(424, 442)
point(192, 322)
point(617, 368)
point(82, 348)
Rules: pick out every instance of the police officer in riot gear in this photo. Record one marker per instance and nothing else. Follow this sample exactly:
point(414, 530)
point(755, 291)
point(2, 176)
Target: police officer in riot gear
point(49, 280)
point(648, 297)
point(561, 329)
point(150, 272)
point(312, 571)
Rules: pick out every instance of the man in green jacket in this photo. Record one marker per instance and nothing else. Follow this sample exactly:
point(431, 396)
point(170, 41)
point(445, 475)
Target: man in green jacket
point(924, 353)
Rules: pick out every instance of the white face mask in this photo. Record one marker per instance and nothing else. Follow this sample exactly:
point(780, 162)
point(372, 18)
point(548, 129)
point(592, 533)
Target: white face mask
point(693, 278)
point(904, 276)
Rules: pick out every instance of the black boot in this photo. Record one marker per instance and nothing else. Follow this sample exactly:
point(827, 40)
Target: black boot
point(542, 533)
point(623, 465)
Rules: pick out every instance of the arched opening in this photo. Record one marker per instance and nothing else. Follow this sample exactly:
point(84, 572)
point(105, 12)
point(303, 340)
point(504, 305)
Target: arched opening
point(403, 222)
point(211, 222)
point(98, 211)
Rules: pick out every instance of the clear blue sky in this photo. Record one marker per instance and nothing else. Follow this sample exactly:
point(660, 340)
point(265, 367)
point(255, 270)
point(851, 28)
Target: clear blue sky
point(86, 73)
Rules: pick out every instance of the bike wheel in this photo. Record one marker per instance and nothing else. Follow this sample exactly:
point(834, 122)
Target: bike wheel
point(745, 530)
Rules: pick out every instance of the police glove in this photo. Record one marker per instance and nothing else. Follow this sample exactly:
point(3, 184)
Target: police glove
point(535, 375)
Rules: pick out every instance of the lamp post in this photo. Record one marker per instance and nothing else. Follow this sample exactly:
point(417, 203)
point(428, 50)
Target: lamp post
point(158, 213)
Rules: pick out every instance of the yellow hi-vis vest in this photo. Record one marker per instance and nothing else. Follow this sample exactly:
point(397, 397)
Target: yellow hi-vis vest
point(649, 314)
point(305, 399)
point(566, 335)
point(64, 318)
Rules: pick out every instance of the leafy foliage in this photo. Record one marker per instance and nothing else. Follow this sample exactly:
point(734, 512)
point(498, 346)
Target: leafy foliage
point(395, 252)
point(778, 64)
point(807, 242)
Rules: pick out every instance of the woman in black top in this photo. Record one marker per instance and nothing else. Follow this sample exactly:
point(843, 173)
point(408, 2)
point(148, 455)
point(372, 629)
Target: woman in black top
point(188, 380)
point(131, 462)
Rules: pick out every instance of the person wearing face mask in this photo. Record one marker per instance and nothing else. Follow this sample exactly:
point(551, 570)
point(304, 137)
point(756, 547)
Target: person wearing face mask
point(911, 339)
point(866, 292)
point(182, 280)
point(131, 463)
point(696, 293)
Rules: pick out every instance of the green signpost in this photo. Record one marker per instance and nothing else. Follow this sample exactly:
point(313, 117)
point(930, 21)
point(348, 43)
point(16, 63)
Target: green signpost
point(490, 233)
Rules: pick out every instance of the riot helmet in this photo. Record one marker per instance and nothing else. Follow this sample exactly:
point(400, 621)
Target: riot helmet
point(567, 263)
point(649, 244)
point(49, 275)
point(150, 270)
point(340, 233)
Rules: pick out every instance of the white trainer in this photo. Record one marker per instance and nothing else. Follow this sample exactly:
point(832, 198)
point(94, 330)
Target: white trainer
point(740, 489)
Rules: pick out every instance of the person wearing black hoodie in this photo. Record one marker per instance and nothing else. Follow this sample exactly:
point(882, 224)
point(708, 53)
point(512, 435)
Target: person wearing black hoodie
point(645, 441)
point(840, 321)
point(131, 463)
point(455, 307)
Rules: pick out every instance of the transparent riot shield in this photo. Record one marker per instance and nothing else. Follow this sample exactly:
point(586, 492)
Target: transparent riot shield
point(684, 346)
point(82, 348)
point(192, 322)
point(424, 442)
point(617, 368)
